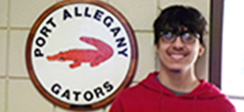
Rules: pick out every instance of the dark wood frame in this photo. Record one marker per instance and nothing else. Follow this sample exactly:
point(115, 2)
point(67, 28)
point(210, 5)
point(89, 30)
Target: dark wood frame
point(130, 73)
point(216, 23)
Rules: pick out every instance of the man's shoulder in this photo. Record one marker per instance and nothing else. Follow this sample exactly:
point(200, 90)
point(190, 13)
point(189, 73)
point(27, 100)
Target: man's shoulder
point(220, 101)
point(133, 90)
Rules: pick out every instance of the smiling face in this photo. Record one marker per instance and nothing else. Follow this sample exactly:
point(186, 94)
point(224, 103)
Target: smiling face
point(178, 55)
point(177, 21)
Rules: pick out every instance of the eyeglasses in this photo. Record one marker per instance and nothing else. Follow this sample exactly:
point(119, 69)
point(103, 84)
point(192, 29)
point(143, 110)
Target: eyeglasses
point(187, 38)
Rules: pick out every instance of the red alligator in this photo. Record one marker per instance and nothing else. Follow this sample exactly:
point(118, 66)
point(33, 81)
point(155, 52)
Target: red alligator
point(78, 56)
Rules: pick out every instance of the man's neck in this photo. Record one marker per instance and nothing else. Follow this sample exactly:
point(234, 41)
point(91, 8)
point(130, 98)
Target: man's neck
point(179, 80)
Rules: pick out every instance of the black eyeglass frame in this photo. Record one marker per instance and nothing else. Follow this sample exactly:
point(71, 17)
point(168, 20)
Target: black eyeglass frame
point(181, 35)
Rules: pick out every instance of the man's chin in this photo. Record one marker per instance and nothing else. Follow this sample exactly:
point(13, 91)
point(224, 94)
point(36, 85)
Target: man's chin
point(175, 70)
point(173, 67)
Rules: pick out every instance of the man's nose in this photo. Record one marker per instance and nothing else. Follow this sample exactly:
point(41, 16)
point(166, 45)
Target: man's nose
point(178, 43)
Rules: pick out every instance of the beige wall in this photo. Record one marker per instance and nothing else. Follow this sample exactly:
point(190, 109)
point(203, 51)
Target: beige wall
point(18, 94)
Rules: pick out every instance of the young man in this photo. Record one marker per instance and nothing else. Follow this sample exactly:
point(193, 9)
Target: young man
point(179, 32)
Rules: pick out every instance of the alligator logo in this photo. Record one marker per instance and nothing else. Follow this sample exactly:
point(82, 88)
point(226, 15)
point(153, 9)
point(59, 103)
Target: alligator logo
point(78, 56)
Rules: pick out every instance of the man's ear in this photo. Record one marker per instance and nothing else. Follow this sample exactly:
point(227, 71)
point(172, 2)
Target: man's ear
point(201, 50)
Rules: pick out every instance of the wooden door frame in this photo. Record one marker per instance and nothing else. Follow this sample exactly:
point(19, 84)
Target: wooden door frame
point(216, 23)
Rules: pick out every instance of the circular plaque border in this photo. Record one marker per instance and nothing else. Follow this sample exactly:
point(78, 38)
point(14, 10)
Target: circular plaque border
point(130, 73)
